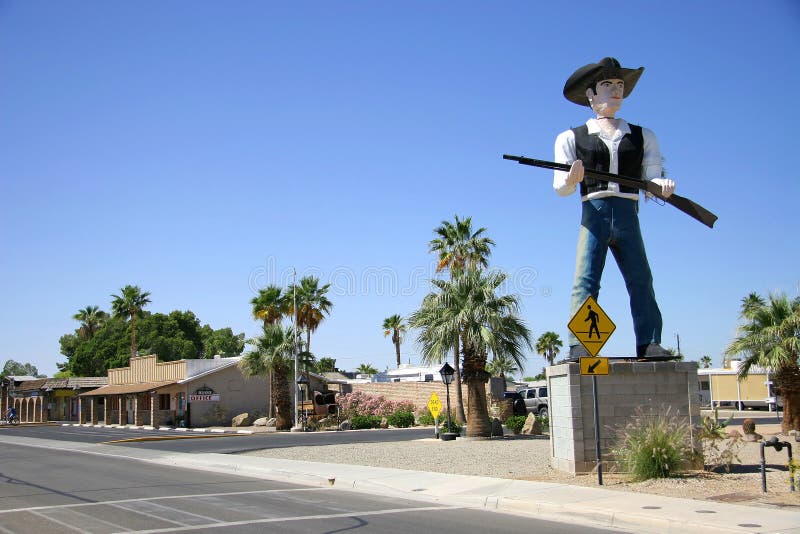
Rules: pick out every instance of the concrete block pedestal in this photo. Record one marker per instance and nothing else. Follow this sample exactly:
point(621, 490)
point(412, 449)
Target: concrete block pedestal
point(630, 387)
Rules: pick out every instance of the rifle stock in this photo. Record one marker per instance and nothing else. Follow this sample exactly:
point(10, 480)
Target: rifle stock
point(690, 208)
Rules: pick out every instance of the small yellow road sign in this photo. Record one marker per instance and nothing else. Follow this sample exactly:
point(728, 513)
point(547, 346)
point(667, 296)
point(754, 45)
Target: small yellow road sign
point(592, 326)
point(594, 366)
point(435, 405)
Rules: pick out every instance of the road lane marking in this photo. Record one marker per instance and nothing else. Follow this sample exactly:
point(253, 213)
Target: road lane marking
point(85, 522)
point(165, 497)
point(345, 515)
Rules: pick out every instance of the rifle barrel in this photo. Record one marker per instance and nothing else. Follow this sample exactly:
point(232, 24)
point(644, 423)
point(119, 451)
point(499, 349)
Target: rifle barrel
point(687, 206)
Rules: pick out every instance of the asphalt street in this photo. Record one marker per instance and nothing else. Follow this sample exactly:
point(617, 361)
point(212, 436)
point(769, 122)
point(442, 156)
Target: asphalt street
point(48, 489)
point(225, 443)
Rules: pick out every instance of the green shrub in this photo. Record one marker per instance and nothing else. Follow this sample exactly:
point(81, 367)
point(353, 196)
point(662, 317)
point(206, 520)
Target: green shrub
point(401, 419)
point(359, 422)
point(544, 421)
point(454, 428)
point(515, 423)
point(425, 419)
point(653, 446)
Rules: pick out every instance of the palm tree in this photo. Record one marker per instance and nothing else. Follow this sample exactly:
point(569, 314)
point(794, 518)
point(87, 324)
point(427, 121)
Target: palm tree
point(129, 304)
point(91, 318)
point(366, 369)
point(270, 306)
point(502, 366)
point(484, 322)
point(458, 247)
point(273, 359)
point(705, 361)
point(395, 326)
point(548, 345)
point(311, 306)
point(770, 338)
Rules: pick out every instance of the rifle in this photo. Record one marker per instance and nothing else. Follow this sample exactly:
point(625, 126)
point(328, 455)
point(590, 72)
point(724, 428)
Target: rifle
point(682, 203)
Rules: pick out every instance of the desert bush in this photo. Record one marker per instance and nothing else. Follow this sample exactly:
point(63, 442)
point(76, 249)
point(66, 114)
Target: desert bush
point(718, 449)
point(359, 403)
point(454, 427)
point(544, 420)
point(515, 423)
point(425, 419)
point(401, 419)
point(653, 445)
point(360, 422)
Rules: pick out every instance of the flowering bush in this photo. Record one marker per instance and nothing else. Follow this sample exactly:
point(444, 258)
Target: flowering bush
point(359, 403)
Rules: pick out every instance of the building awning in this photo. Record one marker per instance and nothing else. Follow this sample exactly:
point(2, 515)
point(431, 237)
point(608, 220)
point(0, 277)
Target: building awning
point(121, 389)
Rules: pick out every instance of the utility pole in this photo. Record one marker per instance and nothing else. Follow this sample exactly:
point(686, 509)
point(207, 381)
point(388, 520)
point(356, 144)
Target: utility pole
point(294, 321)
point(679, 345)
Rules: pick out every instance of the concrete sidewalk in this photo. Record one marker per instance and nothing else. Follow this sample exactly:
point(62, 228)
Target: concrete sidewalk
point(560, 502)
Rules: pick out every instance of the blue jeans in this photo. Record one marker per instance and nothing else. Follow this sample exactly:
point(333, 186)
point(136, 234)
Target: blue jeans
point(613, 222)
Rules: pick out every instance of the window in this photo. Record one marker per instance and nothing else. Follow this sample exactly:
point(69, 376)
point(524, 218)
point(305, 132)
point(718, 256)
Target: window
point(542, 392)
point(163, 401)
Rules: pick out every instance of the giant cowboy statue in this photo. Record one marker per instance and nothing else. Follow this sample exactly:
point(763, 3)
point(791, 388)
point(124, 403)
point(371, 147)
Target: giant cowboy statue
point(609, 217)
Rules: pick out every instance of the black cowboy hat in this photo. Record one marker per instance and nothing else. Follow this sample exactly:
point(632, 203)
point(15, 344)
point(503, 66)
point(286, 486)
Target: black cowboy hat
point(587, 76)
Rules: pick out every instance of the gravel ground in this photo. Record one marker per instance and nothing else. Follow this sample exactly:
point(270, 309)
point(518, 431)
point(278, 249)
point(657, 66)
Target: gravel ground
point(528, 458)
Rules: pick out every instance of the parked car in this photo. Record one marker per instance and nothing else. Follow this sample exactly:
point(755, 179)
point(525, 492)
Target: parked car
point(519, 403)
point(536, 400)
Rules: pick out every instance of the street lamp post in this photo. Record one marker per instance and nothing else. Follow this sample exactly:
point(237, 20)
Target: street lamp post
point(294, 321)
point(447, 372)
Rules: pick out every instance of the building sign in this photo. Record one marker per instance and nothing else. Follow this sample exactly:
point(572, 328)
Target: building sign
point(204, 394)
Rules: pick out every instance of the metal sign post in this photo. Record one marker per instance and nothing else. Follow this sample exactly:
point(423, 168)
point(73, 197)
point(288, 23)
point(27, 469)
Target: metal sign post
point(593, 327)
point(597, 432)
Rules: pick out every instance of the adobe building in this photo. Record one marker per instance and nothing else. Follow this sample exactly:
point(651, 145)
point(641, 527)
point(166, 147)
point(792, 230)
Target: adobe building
point(182, 393)
point(45, 399)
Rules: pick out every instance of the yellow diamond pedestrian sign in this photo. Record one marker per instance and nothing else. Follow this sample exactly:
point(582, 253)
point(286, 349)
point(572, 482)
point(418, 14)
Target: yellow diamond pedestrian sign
point(434, 405)
point(592, 326)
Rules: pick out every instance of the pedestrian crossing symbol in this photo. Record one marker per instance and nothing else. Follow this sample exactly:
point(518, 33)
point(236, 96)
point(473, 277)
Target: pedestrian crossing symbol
point(591, 326)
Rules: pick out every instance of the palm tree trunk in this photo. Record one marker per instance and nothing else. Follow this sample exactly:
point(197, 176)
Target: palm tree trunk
point(396, 339)
point(280, 395)
point(271, 403)
point(462, 418)
point(478, 424)
point(788, 379)
point(133, 335)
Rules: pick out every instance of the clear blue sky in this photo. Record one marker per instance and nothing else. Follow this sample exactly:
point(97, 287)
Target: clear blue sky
point(201, 150)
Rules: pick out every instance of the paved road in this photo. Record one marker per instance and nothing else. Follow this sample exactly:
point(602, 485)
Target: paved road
point(44, 490)
point(212, 442)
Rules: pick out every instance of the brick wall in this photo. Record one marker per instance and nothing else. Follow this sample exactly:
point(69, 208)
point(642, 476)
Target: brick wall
point(416, 392)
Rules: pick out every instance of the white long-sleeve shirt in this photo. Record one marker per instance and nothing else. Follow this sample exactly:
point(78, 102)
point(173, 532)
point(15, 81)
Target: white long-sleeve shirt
point(565, 153)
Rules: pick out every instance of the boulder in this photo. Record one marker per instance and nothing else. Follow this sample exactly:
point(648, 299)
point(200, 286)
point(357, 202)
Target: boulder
point(735, 434)
point(344, 425)
point(263, 421)
point(532, 427)
point(242, 419)
point(753, 436)
point(497, 427)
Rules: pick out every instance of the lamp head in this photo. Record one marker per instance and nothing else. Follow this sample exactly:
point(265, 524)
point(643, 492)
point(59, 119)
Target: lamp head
point(447, 373)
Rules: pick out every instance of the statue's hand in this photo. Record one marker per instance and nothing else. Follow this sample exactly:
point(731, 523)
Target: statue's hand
point(575, 173)
point(667, 186)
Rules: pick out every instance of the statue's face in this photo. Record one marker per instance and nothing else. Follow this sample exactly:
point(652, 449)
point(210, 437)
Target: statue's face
point(606, 99)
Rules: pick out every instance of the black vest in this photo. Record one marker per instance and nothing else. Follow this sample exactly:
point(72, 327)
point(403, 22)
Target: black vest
point(593, 152)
